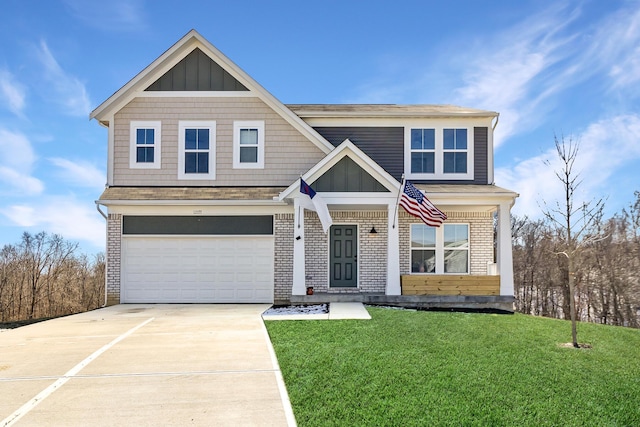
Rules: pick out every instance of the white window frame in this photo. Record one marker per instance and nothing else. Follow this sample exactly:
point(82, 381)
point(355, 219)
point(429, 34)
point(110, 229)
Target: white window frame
point(248, 124)
point(440, 248)
point(439, 152)
point(157, 144)
point(183, 125)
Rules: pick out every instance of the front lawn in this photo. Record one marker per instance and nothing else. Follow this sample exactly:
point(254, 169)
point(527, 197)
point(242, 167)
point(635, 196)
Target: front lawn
point(417, 368)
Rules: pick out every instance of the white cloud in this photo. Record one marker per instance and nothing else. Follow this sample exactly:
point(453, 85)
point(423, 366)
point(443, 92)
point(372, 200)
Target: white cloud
point(596, 162)
point(16, 163)
point(72, 219)
point(69, 91)
point(512, 75)
point(21, 182)
point(12, 93)
point(80, 173)
point(121, 15)
point(616, 47)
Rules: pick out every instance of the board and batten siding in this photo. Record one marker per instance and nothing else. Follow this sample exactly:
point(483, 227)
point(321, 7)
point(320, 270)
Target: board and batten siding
point(385, 145)
point(287, 152)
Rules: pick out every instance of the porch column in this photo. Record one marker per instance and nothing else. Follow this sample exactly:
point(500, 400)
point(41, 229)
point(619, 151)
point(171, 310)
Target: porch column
point(393, 251)
point(505, 257)
point(299, 283)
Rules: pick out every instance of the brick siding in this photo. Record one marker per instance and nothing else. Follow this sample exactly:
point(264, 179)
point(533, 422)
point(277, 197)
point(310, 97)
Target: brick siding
point(114, 251)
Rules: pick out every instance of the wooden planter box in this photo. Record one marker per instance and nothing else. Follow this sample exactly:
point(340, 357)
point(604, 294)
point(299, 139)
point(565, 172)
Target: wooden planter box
point(440, 284)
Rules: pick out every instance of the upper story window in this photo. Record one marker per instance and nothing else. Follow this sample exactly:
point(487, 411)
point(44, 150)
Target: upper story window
point(455, 150)
point(442, 153)
point(144, 151)
point(440, 250)
point(196, 153)
point(248, 144)
point(423, 150)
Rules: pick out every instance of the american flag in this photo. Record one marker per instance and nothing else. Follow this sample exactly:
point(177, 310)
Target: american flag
point(417, 204)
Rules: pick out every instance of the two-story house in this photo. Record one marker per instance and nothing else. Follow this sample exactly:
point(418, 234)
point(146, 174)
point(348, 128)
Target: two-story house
point(203, 194)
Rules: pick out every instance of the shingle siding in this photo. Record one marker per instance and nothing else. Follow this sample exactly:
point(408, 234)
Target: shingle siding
point(287, 152)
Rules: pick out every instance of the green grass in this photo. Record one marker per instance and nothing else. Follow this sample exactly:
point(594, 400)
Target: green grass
point(416, 368)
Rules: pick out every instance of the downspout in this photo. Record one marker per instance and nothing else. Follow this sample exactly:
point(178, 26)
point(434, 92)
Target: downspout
point(105, 258)
point(491, 160)
point(493, 128)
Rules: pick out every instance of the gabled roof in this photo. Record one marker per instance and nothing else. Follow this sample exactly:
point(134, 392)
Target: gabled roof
point(175, 54)
point(347, 148)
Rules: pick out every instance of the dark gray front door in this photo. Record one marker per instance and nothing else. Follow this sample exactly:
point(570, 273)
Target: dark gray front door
point(343, 257)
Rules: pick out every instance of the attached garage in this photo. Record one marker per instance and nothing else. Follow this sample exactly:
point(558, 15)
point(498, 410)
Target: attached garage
point(197, 259)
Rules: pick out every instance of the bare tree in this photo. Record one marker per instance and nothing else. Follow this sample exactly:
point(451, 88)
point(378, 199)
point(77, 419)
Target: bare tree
point(42, 276)
point(573, 225)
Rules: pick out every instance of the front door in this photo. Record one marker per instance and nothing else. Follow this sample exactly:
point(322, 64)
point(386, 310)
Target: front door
point(343, 257)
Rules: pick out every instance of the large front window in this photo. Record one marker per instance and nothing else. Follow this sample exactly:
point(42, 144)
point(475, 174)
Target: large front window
point(440, 250)
point(197, 150)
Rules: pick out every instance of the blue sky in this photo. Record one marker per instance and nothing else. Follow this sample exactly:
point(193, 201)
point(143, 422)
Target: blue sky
point(548, 67)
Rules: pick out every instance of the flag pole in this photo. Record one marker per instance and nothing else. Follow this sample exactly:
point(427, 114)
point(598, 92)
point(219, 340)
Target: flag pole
point(395, 212)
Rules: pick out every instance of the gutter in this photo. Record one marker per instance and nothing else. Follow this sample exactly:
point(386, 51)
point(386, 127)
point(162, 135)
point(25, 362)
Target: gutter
point(105, 258)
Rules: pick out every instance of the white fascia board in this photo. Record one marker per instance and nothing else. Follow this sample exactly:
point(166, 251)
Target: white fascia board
point(395, 121)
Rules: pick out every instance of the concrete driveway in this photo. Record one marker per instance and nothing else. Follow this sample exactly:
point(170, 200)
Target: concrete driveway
point(144, 365)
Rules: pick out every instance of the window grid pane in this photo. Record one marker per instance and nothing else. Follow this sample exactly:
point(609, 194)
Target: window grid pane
point(144, 154)
point(423, 236)
point(456, 236)
point(423, 261)
point(248, 154)
point(203, 139)
point(455, 156)
point(456, 261)
point(249, 136)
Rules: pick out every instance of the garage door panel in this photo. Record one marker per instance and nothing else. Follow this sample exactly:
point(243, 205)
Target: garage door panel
point(197, 269)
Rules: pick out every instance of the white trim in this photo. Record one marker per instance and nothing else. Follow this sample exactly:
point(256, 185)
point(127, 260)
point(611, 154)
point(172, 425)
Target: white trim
point(440, 249)
point(439, 152)
point(156, 125)
point(238, 126)
point(110, 151)
point(393, 252)
point(397, 121)
point(298, 286)
point(197, 94)
point(183, 125)
point(504, 249)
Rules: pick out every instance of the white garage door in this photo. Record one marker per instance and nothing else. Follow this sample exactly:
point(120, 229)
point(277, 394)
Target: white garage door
point(201, 269)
